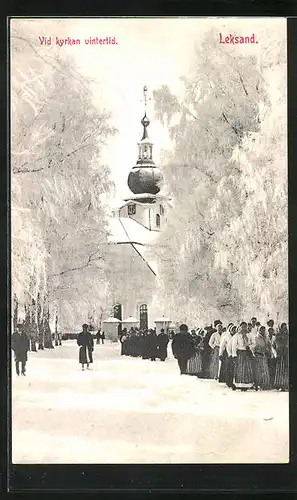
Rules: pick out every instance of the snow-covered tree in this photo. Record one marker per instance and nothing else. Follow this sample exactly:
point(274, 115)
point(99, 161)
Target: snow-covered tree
point(225, 134)
point(59, 233)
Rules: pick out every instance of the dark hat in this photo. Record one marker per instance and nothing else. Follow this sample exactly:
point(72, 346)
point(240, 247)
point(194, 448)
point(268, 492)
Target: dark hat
point(217, 322)
point(183, 328)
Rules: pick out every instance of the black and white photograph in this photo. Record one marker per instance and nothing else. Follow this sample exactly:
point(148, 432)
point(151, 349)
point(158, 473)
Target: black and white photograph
point(149, 240)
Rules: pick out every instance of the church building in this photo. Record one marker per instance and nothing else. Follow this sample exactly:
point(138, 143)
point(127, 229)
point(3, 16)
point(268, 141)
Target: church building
point(135, 228)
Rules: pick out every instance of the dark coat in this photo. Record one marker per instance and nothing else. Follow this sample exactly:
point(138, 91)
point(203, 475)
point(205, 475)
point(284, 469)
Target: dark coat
point(162, 340)
point(86, 343)
point(152, 345)
point(281, 344)
point(20, 345)
point(183, 346)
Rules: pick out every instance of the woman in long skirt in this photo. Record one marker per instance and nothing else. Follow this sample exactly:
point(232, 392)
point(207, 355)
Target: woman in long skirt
point(281, 345)
point(194, 366)
point(226, 372)
point(243, 370)
point(262, 352)
point(214, 344)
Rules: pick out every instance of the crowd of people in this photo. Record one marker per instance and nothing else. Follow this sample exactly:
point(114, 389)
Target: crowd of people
point(245, 356)
point(146, 344)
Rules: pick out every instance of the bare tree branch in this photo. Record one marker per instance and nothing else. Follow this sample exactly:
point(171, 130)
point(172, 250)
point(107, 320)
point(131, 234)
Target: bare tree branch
point(232, 126)
point(89, 261)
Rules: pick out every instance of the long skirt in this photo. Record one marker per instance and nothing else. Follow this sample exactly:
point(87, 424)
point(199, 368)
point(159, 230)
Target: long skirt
point(262, 377)
point(214, 363)
point(243, 372)
point(223, 367)
point(194, 365)
point(272, 368)
point(281, 380)
point(230, 372)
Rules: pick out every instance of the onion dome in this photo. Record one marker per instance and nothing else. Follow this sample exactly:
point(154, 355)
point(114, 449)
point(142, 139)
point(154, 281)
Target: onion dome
point(145, 177)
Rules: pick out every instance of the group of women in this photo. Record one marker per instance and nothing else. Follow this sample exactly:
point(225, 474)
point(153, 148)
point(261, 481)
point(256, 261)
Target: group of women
point(245, 356)
point(248, 356)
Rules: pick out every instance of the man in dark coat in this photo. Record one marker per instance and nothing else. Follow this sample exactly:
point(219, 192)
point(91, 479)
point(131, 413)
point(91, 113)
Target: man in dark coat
point(152, 345)
point(162, 345)
point(86, 344)
point(20, 345)
point(183, 348)
point(209, 330)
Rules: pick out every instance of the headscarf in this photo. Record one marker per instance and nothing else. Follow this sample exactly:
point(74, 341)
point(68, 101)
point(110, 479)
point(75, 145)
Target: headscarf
point(230, 327)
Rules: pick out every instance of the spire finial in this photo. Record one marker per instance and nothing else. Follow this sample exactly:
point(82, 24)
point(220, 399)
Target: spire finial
point(146, 99)
point(145, 121)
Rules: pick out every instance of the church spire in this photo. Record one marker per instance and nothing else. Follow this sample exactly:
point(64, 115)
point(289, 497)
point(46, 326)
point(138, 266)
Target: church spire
point(145, 121)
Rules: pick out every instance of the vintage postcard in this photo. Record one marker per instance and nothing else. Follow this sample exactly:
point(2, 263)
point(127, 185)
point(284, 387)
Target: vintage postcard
point(149, 240)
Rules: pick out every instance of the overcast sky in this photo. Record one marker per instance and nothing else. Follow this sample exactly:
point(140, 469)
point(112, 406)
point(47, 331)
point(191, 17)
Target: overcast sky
point(149, 52)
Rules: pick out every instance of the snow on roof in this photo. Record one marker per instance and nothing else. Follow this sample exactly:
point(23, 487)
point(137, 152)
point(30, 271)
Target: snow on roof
point(127, 230)
point(111, 320)
point(162, 320)
point(143, 253)
point(134, 197)
point(130, 320)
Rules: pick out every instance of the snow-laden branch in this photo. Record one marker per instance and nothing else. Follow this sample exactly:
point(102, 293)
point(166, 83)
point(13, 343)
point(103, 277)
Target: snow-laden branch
point(78, 268)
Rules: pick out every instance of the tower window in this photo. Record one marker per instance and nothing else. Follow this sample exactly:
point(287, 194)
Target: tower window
point(132, 209)
point(158, 220)
point(161, 210)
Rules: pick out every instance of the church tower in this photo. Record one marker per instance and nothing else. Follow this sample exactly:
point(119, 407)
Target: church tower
point(145, 205)
point(134, 230)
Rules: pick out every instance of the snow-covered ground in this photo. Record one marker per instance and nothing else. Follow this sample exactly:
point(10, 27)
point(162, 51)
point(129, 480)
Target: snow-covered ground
point(129, 410)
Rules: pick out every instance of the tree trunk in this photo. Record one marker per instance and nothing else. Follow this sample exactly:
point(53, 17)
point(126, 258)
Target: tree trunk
point(40, 324)
point(34, 326)
point(15, 312)
point(48, 341)
point(56, 331)
point(28, 327)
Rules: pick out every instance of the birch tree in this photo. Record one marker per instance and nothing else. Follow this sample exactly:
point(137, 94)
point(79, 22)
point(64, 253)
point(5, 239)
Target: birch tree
point(58, 219)
point(206, 250)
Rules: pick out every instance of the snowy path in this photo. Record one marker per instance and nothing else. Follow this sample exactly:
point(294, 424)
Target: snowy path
point(128, 410)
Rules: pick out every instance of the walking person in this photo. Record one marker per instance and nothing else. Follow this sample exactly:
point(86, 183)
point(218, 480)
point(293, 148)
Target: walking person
point(209, 330)
point(254, 329)
point(194, 365)
point(223, 354)
point(183, 348)
point(20, 345)
point(281, 345)
point(230, 360)
point(272, 360)
point(241, 351)
point(261, 348)
point(162, 345)
point(152, 345)
point(86, 344)
point(214, 344)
